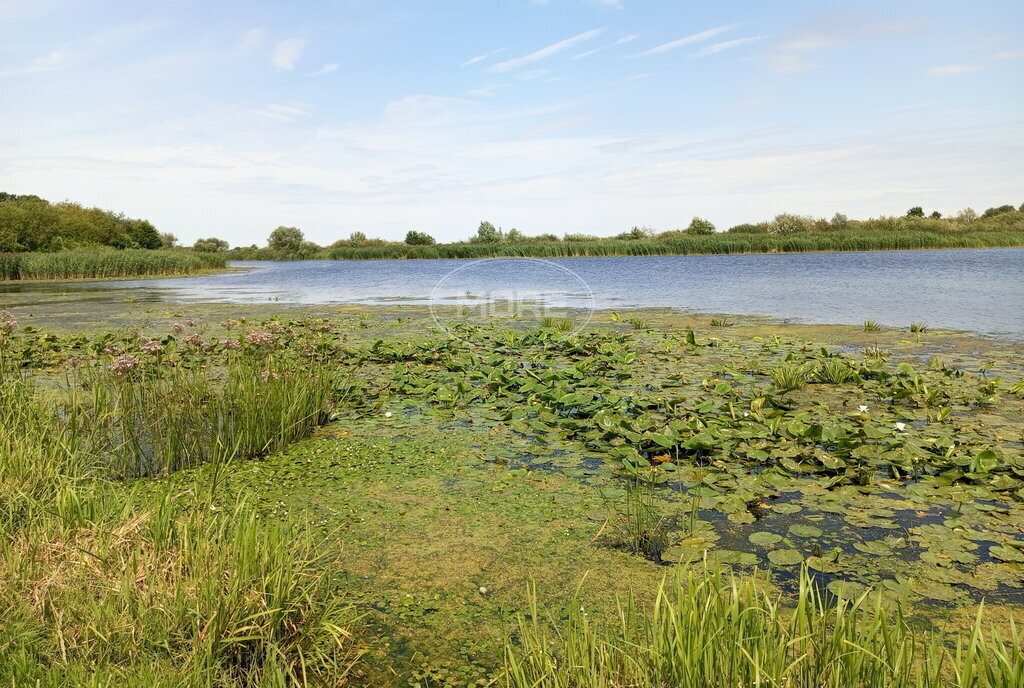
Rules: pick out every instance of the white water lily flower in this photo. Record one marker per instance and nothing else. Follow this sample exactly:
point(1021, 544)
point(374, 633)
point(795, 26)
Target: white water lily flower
point(900, 427)
point(387, 414)
point(483, 590)
point(862, 408)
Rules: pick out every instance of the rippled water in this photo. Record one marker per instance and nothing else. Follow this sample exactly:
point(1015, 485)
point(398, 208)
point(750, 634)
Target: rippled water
point(978, 290)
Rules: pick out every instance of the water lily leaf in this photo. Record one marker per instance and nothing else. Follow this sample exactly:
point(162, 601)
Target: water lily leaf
point(729, 556)
point(804, 531)
point(1004, 553)
point(764, 538)
point(848, 590)
point(785, 557)
point(824, 565)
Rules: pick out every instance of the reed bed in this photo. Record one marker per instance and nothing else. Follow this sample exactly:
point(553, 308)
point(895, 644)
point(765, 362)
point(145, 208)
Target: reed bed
point(693, 245)
point(104, 264)
point(708, 629)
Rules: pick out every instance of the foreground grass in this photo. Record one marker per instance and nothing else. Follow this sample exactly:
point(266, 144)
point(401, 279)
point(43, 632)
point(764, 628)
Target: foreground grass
point(96, 264)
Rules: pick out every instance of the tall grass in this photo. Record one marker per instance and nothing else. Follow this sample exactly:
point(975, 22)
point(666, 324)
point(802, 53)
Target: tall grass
point(96, 264)
point(711, 630)
point(102, 586)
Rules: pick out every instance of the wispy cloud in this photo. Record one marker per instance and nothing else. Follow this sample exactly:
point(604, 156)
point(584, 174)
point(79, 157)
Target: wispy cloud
point(685, 40)
point(480, 58)
point(284, 112)
point(952, 69)
point(625, 39)
point(41, 64)
point(326, 69)
point(794, 51)
point(288, 52)
point(547, 51)
point(727, 45)
point(1008, 55)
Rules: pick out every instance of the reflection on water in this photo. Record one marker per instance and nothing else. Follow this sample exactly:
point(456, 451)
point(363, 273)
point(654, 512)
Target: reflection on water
point(979, 290)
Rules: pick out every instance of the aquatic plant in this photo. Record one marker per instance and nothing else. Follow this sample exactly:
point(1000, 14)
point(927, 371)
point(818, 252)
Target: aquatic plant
point(96, 264)
point(871, 326)
point(720, 322)
point(918, 327)
point(638, 526)
point(788, 377)
point(834, 371)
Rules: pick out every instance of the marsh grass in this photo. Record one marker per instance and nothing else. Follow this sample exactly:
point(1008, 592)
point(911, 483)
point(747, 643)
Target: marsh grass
point(717, 630)
point(188, 417)
point(872, 326)
point(918, 328)
point(100, 585)
point(638, 525)
point(96, 263)
point(721, 322)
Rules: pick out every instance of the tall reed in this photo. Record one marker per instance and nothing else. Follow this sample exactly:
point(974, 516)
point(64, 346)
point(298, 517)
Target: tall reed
point(99, 263)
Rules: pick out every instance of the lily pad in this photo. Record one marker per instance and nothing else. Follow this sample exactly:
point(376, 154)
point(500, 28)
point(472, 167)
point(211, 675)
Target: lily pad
point(1004, 553)
point(764, 538)
point(804, 531)
point(848, 590)
point(785, 557)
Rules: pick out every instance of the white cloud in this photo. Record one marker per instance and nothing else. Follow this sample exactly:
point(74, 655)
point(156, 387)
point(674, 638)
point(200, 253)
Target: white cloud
point(284, 112)
point(727, 45)
point(1008, 55)
point(326, 69)
point(686, 40)
point(288, 52)
point(481, 58)
point(952, 69)
point(41, 64)
point(546, 51)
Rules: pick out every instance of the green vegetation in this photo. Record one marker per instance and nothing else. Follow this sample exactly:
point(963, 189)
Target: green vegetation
point(104, 264)
point(29, 223)
point(40, 240)
point(364, 500)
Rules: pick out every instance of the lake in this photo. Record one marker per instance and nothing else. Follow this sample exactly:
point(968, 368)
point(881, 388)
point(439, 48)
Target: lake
point(977, 290)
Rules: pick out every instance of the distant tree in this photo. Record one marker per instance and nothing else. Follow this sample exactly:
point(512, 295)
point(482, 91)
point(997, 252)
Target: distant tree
point(992, 212)
point(1021, 208)
point(514, 235)
point(210, 245)
point(839, 221)
point(286, 239)
point(581, 237)
point(916, 211)
point(966, 216)
point(547, 236)
point(168, 240)
point(356, 238)
point(307, 249)
point(414, 238)
point(936, 215)
point(749, 228)
point(788, 224)
point(636, 233)
point(699, 225)
point(487, 233)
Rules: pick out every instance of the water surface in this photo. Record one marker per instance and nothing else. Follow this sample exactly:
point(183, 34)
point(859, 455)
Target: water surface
point(979, 290)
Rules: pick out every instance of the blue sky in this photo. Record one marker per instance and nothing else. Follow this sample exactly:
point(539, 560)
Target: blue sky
point(231, 118)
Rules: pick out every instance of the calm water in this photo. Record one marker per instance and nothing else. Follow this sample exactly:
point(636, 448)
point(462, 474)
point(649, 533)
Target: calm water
point(978, 290)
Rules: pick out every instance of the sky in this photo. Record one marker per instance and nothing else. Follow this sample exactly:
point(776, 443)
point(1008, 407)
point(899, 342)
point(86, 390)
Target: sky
point(228, 119)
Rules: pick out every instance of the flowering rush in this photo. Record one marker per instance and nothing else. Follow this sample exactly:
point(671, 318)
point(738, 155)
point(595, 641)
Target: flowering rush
point(151, 347)
point(7, 322)
point(259, 338)
point(124, 364)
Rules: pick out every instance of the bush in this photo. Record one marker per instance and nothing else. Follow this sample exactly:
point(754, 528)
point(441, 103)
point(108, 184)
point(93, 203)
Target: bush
point(210, 245)
point(785, 224)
